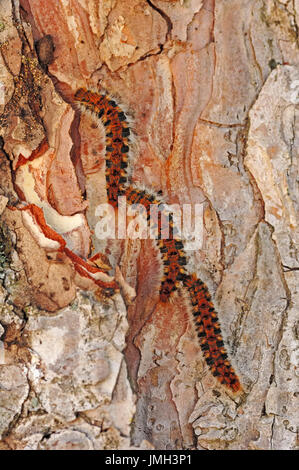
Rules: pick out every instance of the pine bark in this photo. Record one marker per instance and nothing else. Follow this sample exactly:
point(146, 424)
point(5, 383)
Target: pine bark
point(212, 87)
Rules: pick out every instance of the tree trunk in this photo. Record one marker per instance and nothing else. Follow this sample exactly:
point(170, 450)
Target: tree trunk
point(212, 88)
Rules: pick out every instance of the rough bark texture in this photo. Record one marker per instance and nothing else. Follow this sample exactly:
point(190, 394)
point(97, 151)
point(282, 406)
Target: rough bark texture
point(213, 87)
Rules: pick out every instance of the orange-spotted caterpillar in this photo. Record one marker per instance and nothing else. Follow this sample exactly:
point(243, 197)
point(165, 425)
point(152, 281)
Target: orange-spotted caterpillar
point(104, 107)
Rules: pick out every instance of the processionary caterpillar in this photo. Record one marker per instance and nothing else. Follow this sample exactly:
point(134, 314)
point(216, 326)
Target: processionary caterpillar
point(104, 107)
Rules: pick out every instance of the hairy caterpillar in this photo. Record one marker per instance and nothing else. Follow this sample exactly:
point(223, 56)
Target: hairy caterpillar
point(117, 129)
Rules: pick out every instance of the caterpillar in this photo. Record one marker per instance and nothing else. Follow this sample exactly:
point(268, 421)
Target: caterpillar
point(117, 128)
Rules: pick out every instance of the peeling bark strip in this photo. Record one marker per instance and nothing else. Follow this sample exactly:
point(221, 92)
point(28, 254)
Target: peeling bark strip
point(105, 108)
point(46, 237)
